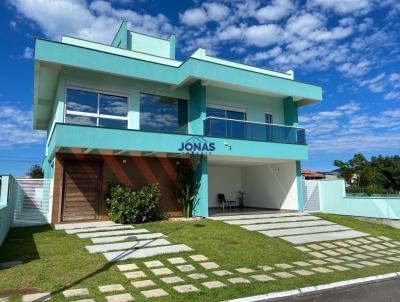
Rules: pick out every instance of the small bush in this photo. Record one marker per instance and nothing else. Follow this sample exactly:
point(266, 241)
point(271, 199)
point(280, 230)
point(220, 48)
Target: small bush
point(130, 206)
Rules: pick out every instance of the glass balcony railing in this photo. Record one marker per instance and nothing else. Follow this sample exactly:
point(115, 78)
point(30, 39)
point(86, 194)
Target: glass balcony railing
point(236, 129)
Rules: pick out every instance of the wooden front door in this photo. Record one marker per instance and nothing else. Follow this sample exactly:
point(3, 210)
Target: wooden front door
point(81, 191)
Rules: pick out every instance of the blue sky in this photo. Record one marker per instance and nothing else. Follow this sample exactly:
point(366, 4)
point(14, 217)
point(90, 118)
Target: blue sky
point(350, 47)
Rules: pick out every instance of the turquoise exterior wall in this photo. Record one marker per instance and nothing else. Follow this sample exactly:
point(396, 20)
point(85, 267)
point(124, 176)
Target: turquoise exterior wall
point(47, 168)
point(334, 201)
point(152, 45)
point(75, 136)
point(299, 186)
point(121, 38)
point(290, 112)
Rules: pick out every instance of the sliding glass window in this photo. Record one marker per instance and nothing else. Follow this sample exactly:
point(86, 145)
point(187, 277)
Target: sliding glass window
point(226, 123)
point(96, 109)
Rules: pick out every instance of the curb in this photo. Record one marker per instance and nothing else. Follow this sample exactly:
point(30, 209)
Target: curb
point(318, 288)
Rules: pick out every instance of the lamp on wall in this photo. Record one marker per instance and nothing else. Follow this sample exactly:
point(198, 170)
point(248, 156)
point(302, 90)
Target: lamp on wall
point(228, 145)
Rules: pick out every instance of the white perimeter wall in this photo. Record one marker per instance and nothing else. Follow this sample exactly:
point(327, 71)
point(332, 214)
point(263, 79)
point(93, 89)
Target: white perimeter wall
point(266, 186)
point(226, 180)
point(271, 186)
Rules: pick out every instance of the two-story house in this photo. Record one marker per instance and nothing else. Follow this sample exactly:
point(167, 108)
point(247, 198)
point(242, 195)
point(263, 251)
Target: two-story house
point(130, 113)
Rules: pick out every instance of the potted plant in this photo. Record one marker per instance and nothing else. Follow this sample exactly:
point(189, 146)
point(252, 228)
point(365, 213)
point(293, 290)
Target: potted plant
point(241, 198)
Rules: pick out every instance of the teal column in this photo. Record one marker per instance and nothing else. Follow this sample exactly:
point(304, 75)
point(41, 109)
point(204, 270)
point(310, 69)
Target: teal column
point(183, 116)
point(197, 108)
point(172, 45)
point(299, 187)
point(201, 174)
point(290, 112)
point(134, 110)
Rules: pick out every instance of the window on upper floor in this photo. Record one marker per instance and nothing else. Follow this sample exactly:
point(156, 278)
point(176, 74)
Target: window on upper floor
point(227, 123)
point(96, 109)
point(163, 114)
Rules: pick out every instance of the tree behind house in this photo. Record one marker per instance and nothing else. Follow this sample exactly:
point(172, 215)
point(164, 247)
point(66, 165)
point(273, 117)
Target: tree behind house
point(35, 172)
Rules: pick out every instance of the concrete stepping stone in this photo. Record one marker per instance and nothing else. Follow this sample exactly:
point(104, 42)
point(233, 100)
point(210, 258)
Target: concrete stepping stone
point(5, 299)
point(154, 293)
point(284, 265)
point(389, 244)
point(301, 263)
point(342, 244)
point(146, 252)
point(348, 258)
point(142, 283)
point(369, 263)
point(266, 268)
point(318, 262)
point(244, 270)
point(322, 270)
point(285, 225)
point(127, 267)
point(302, 248)
point(369, 248)
point(198, 258)
point(328, 245)
point(222, 273)
point(271, 220)
point(176, 260)
point(300, 239)
point(170, 280)
point(36, 297)
point(111, 288)
point(304, 230)
point(303, 272)
point(82, 300)
point(354, 265)
point(375, 254)
point(383, 261)
point(75, 292)
point(186, 268)
point(379, 246)
point(353, 242)
point(318, 255)
point(396, 259)
point(262, 278)
point(361, 256)
point(339, 268)
point(84, 225)
point(331, 253)
point(334, 260)
point(283, 275)
point(363, 240)
point(135, 275)
point(161, 271)
point(344, 251)
point(384, 238)
point(198, 276)
point(316, 247)
point(209, 265)
point(118, 246)
point(238, 280)
point(213, 284)
point(255, 216)
point(119, 298)
point(187, 288)
point(152, 264)
point(111, 233)
point(127, 237)
point(97, 229)
point(356, 249)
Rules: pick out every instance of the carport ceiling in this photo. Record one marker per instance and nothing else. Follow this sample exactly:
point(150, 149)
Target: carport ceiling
point(241, 161)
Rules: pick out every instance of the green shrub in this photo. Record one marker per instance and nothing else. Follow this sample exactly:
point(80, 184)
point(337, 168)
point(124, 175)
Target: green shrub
point(128, 206)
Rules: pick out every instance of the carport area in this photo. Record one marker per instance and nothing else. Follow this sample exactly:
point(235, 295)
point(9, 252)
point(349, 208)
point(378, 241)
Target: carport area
point(269, 185)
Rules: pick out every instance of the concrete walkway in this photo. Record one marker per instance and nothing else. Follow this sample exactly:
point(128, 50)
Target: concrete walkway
point(121, 242)
point(296, 228)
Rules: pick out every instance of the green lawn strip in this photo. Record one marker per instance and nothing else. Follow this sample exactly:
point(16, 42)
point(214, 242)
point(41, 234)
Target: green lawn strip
point(371, 228)
point(54, 260)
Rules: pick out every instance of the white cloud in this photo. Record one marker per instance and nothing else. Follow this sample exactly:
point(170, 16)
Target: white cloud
point(16, 128)
point(216, 11)
point(194, 17)
point(304, 24)
point(263, 35)
point(394, 78)
point(275, 11)
point(28, 53)
point(343, 6)
point(98, 21)
point(376, 84)
point(349, 128)
point(355, 69)
point(392, 95)
point(13, 24)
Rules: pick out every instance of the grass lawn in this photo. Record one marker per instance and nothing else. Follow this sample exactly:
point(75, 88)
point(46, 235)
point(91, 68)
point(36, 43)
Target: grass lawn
point(55, 261)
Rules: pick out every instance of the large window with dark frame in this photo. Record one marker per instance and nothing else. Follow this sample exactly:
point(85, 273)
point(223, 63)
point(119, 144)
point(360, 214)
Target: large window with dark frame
point(227, 123)
point(96, 109)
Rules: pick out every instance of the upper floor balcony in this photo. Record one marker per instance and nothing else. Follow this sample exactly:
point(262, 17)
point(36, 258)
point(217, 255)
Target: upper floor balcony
point(254, 131)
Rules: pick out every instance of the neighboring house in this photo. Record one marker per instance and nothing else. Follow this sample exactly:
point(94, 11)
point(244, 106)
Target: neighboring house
point(130, 113)
point(311, 175)
point(332, 174)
